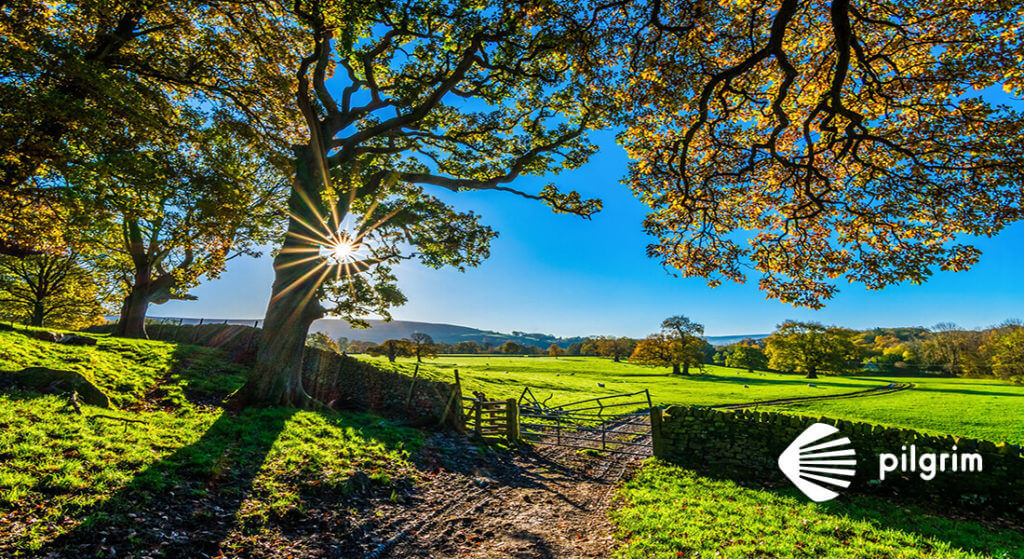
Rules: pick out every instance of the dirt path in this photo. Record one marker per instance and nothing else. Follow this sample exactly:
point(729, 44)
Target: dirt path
point(889, 389)
point(538, 503)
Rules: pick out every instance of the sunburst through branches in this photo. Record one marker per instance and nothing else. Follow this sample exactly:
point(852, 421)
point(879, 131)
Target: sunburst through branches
point(335, 247)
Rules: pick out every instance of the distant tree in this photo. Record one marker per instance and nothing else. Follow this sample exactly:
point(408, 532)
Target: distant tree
point(392, 349)
point(1007, 351)
point(719, 357)
point(952, 350)
point(663, 350)
point(178, 213)
point(467, 347)
point(555, 351)
point(809, 347)
point(511, 347)
point(423, 346)
point(746, 357)
point(707, 351)
point(589, 347)
point(319, 340)
point(342, 342)
point(574, 349)
point(689, 335)
point(48, 290)
point(443, 348)
point(359, 346)
point(616, 348)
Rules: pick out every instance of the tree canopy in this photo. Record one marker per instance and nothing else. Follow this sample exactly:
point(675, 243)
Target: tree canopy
point(825, 140)
point(89, 80)
point(49, 290)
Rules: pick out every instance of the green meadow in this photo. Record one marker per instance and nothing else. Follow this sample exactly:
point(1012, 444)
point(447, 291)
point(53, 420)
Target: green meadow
point(65, 477)
point(77, 475)
point(980, 408)
point(669, 512)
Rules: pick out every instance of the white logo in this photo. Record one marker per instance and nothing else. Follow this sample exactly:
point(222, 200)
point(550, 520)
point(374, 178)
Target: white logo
point(806, 460)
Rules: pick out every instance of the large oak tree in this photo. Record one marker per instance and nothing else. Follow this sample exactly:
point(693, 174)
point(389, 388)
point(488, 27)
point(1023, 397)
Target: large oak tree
point(453, 96)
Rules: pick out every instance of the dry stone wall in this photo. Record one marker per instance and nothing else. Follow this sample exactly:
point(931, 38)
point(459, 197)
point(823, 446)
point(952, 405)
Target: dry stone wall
point(745, 445)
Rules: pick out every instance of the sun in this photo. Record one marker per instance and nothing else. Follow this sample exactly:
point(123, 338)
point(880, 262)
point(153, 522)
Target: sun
point(344, 249)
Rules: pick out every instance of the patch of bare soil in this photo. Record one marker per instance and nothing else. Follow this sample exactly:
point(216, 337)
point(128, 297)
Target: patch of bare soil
point(475, 503)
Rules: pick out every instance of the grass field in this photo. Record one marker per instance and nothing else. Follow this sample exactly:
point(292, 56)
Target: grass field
point(980, 408)
point(79, 475)
point(245, 478)
point(567, 379)
point(668, 512)
point(987, 409)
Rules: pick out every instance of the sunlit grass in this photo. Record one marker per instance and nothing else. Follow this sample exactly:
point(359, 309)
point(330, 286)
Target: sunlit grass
point(668, 511)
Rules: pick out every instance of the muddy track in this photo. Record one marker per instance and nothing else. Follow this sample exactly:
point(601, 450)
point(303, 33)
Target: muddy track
point(882, 390)
point(539, 502)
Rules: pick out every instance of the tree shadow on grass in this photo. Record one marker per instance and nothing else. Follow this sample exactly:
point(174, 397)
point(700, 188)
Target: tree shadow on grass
point(185, 504)
point(925, 388)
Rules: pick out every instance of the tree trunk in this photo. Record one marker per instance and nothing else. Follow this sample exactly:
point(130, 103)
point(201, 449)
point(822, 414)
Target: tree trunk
point(615, 358)
point(37, 314)
point(276, 377)
point(812, 373)
point(675, 368)
point(132, 323)
point(686, 369)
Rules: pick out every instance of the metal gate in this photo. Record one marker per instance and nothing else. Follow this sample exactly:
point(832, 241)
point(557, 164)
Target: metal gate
point(618, 423)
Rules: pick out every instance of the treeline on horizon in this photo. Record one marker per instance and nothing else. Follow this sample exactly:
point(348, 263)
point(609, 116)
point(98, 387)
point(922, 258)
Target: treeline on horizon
point(794, 347)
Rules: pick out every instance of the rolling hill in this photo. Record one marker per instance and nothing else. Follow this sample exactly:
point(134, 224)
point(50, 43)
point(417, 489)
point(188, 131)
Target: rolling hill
point(447, 333)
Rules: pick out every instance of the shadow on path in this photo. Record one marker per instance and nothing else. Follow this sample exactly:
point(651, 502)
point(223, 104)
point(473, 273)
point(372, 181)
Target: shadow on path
point(185, 504)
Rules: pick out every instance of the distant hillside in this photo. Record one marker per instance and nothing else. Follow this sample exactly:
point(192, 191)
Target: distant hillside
point(726, 340)
point(447, 333)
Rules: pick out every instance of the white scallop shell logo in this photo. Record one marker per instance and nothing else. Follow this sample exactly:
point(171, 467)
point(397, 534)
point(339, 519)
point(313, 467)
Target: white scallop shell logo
point(811, 460)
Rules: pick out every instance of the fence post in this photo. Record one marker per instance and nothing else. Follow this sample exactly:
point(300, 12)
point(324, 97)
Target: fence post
point(512, 415)
point(195, 333)
point(657, 415)
point(252, 335)
point(477, 414)
point(412, 384)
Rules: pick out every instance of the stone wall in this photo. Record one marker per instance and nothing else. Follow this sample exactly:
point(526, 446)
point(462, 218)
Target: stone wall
point(237, 340)
point(347, 383)
point(338, 380)
point(745, 445)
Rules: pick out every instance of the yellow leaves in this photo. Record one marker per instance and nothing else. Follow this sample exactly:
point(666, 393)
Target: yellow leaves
point(870, 179)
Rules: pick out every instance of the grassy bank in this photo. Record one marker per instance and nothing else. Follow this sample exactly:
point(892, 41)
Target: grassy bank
point(183, 464)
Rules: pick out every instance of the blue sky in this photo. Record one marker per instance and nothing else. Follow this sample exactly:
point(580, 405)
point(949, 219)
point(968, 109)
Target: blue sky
point(563, 275)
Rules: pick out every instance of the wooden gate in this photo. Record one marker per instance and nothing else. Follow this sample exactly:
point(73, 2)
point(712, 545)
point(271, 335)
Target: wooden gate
point(618, 423)
point(491, 418)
